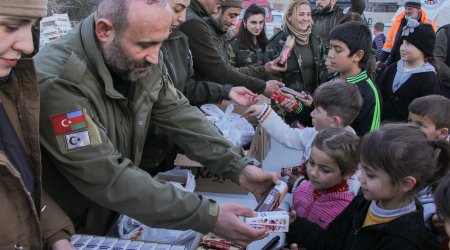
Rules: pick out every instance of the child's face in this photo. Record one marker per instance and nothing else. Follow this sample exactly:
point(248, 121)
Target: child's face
point(376, 185)
point(410, 53)
point(340, 59)
point(323, 172)
point(320, 119)
point(427, 126)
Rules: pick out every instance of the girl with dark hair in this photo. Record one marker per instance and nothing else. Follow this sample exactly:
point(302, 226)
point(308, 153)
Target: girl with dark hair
point(248, 46)
point(397, 161)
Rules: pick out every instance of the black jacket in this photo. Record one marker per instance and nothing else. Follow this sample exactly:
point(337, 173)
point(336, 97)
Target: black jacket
point(346, 232)
point(395, 105)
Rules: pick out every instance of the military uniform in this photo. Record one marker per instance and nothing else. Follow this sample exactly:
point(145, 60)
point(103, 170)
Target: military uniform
point(293, 76)
point(208, 63)
point(219, 38)
point(160, 152)
point(326, 21)
point(93, 137)
point(245, 57)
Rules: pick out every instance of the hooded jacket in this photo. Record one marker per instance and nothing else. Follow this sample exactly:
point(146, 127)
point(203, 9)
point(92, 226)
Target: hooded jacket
point(346, 231)
point(26, 223)
point(93, 167)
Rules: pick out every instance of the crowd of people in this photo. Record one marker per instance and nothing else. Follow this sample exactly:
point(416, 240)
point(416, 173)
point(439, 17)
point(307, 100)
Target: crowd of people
point(89, 120)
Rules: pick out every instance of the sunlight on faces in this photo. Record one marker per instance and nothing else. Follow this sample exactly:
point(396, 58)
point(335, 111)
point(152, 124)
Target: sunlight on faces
point(339, 58)
point(427, 126)
point(377, 185)
point(301, 17)
point(320, 119)
point(323, 171)
point(179, 8)
point(255, 24)
point(410, 53)
point(15, 39)
point(133, 50)
point(228, 18)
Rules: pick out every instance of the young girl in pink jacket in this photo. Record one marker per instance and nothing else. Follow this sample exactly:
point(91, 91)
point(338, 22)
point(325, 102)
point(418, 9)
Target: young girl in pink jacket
point(334, 158)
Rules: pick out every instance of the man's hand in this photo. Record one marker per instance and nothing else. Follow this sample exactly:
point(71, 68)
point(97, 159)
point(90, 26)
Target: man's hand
point(62, 245)
point(437, 223)
point(229, 226)
point(257, 181)
point(272, 86)
point(272, 67)
point(253, 110)
point(243, 96)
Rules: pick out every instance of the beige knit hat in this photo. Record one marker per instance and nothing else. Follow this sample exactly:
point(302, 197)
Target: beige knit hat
point(23, 8)
point(231, 3)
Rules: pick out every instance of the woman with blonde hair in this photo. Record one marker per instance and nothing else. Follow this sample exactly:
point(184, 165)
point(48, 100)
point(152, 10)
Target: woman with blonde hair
point(302, 72)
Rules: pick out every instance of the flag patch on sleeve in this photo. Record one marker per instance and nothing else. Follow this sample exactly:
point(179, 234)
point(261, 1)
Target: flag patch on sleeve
point(69, 122)
point(77, 140)
point(75, 130)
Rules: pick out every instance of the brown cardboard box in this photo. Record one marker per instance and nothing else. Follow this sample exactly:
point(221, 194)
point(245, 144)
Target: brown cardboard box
point(207, 182)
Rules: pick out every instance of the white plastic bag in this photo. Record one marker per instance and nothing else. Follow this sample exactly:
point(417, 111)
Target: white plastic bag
point(130, 228)
point(234, 127)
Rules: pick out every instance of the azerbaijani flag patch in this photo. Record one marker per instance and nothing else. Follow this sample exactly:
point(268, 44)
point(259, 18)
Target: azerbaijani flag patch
point(69, 122)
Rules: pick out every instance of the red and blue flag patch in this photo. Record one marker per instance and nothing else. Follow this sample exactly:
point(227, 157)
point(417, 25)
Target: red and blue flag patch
point(69, 122)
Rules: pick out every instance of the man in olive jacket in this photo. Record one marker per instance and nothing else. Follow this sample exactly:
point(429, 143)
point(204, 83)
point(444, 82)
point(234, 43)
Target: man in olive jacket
point(30, 219)
point(209, 64)
point(102, 85)
point(326, 16)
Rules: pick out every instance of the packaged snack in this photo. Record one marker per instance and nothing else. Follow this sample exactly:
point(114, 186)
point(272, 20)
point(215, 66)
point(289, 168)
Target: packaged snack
point(286, 51)
point(275, 221)
point(273, 198)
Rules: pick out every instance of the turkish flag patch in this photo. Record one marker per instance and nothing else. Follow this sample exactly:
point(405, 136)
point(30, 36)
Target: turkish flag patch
point(69, 122)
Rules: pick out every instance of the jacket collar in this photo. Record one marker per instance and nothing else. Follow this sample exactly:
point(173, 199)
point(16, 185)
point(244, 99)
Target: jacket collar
point(197, 8)
point(359, 77)
point(95, 56)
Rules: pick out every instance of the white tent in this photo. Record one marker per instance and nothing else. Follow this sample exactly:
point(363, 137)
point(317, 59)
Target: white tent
point(438, 10)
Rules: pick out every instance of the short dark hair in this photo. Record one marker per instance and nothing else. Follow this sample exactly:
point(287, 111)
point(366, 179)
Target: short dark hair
point(442, 197)
point(356, 35)
point(339, 98)
point(340, 145)
point(434, 107)
point(117, 11)
point(379, 26)
point(402, 150)
point(245, 37)
point(352, 16)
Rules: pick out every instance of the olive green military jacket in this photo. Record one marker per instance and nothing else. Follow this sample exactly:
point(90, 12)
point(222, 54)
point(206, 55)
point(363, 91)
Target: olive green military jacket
point(326, 21)
point(245, 57)
point(221, 40)
point(208, 63)
point(92, 137)
point(160, 152)
point(293, 77)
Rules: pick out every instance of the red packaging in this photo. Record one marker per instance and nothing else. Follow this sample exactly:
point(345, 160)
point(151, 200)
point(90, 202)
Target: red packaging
point(286, 51)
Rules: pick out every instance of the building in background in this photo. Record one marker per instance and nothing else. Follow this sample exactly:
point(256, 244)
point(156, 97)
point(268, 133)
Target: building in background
point(54, 27)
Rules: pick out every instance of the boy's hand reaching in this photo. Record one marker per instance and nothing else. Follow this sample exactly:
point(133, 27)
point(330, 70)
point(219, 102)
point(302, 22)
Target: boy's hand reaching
point(306, 99)
point(288, 103)
point(254, 110)
point(292, 216)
